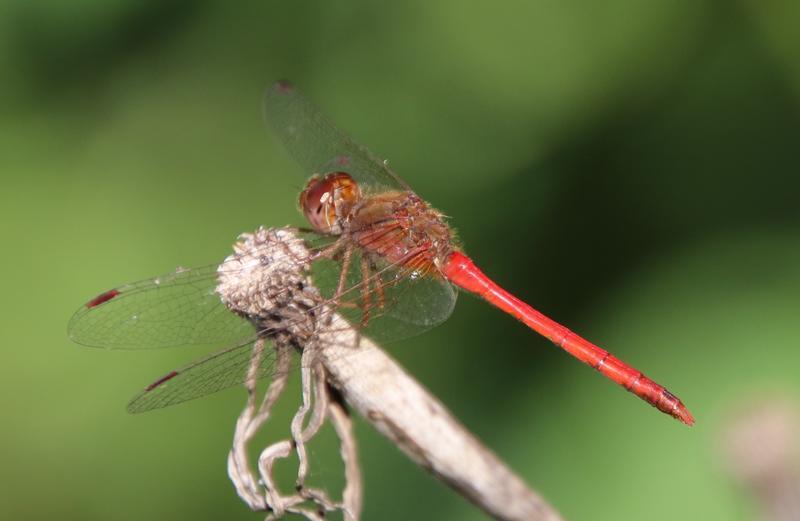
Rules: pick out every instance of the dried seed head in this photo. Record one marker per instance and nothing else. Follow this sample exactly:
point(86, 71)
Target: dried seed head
point(267, 277)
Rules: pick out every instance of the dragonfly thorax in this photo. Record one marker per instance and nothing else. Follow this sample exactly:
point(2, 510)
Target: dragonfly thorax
point(402, 229)
point(395, 225)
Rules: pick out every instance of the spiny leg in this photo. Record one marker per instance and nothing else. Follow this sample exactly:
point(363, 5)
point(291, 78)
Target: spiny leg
point(366, 301)
point(347, 258)
point(379, 290)
point(331, 250)
point(347, 255)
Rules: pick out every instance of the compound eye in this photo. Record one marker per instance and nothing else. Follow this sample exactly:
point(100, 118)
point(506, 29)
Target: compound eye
point(320, 197)
point(315, 201)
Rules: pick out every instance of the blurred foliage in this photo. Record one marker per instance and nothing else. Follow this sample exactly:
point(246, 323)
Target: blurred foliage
point(628, 167)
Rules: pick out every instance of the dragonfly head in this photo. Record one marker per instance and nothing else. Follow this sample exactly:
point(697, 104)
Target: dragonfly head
point(326, 200)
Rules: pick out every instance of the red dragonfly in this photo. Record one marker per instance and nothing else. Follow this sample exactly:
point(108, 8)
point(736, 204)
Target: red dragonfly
point(379, 253)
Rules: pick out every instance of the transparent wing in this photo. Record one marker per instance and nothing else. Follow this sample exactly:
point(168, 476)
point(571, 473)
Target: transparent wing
point(179, 308)
point(231, 366)
point(208, 375)
point(183, 308)
point(409, 306)
point(388, 303)
point(385, 302)
point(318, 145)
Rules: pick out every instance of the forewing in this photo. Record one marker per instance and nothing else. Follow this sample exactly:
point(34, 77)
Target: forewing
point(318, 145)
point(179, 308)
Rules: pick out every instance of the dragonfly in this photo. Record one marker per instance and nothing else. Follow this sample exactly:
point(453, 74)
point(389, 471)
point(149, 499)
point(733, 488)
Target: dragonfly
point(379, 254)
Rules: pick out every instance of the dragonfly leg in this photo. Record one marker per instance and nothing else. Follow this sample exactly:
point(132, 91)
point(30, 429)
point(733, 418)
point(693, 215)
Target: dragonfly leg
point(366, 300)
point(330, 251)
point(347, 259)
point(379, 292)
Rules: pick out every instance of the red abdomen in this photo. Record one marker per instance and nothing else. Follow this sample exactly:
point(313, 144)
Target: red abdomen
point(462, 272)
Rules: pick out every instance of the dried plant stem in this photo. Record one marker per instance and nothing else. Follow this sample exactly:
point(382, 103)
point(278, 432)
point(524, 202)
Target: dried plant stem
point(353, 490)
point(400, 408)
point(249, 422)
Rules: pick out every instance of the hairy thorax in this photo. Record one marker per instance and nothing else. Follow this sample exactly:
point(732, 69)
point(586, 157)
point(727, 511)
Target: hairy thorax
point(401, 228)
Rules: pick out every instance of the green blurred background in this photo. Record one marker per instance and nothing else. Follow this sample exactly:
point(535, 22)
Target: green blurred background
point(629, 167)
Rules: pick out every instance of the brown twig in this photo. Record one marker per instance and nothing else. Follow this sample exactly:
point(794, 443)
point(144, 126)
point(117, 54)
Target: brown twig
point(414, 420)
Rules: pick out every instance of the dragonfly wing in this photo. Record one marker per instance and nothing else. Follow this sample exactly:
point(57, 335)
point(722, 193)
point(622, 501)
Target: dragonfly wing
point(213, 373)
point(412, 306)
point(409, 308)
point(180, 308)
point(406, 304)
point(392, 303)
point(318, 145)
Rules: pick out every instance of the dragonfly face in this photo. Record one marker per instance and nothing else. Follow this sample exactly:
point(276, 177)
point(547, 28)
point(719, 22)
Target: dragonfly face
point(327, 200)
point(396, 226)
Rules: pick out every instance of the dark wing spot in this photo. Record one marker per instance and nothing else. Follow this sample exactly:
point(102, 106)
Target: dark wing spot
point(103, 297)
point(161, 380)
